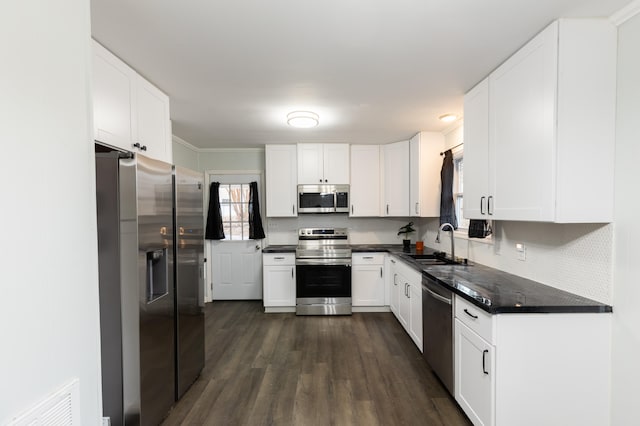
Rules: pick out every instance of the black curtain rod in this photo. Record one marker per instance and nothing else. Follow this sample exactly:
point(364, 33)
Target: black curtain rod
point(452, 148)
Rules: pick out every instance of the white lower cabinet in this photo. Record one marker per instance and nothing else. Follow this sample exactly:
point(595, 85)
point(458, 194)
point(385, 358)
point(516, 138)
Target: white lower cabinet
point(367, 279)
point(279, 281)
point(393, 286)
point(532, 369)
point(475, 381)
point(406, 299)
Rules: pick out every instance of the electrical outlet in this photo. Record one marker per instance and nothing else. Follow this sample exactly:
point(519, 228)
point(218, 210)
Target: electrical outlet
point(272, 225)
point(522, 251)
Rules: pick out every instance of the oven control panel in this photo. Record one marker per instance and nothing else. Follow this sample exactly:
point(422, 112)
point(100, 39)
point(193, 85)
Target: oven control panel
point(323, 232)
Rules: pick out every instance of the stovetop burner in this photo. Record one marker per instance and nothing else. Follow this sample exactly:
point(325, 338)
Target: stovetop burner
point(323, 243)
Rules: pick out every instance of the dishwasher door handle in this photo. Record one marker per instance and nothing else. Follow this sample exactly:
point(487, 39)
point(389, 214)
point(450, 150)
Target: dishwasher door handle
point(438, 297)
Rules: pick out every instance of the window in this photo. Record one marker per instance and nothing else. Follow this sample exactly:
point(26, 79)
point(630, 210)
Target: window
point(458, 189)
point(234, 205)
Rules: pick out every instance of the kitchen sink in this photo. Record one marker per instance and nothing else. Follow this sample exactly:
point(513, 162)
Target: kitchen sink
point(432, 259)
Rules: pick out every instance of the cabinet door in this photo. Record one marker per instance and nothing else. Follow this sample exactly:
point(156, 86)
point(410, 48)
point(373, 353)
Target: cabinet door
point(396, 179)
point(476, 152)
point(152, 121)
point(336, 163)
point(279, 285)
point(365, 180)
point(522, 96)
point(415, 313)
point(367, 285)
point(280, 174)
point(310, 163)
point(113, 99)
point(424, 174)
point(394, 287)
point(474, 375)
point(404, 307)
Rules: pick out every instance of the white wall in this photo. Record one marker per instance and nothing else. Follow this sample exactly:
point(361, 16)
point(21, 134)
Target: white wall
point(48, 256)
point(626, 295)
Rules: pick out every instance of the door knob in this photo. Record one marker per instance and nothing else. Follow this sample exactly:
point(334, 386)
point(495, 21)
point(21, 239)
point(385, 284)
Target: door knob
point(257, 247)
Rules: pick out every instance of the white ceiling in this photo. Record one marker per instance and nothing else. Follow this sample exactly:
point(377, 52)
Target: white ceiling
point(375, 71)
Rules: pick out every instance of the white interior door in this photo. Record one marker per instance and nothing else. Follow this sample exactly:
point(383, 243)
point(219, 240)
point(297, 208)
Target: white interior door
point(236, 261)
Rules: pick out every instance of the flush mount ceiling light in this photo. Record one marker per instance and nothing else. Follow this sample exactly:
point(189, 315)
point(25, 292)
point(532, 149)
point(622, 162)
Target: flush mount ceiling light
point(302, 119)
point(448, 118)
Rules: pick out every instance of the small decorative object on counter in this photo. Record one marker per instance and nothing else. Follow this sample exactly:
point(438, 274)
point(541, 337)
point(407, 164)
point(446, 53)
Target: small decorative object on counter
point(406, 230)
point(419, 246)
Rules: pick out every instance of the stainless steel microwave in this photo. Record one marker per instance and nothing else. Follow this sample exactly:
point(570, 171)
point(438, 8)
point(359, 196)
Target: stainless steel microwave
point(323, 198)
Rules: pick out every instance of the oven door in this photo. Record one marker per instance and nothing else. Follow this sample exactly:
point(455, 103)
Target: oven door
point(323, 278)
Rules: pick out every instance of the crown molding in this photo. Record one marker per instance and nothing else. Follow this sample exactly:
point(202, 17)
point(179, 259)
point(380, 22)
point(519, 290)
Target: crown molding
point(193, 148)
point(184, 143)
point(626, 13)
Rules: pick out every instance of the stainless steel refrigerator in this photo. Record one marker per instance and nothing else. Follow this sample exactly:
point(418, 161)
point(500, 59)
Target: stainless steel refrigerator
point(136, 216)
point(189, 277)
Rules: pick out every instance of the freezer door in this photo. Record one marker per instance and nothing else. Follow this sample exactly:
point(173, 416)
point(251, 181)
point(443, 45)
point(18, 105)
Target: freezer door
point(189, 266)
point(146, 224)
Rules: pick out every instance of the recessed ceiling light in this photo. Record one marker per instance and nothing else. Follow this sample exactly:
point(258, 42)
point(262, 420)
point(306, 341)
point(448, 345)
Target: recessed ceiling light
point(303, 119)
point(448, 118)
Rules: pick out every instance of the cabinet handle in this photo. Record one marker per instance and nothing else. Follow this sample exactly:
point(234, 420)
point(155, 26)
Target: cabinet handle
point(387, 208)
point(470, 314)
point(381, 272)
point(408, 291)
point(367, 257)
point(293, 209)
point(393, 261)
point(484, 353)
point(489, 210)
point(320, 181)
point(351, 208)
point(278, 258)
point(291, 272)
point(144, 147)
point(417, 208)
point(482, 204)
point(394, 278)
point(325, 181)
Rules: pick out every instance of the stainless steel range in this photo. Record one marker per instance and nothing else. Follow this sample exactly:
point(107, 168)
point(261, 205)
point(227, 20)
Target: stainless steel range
point(323, 272)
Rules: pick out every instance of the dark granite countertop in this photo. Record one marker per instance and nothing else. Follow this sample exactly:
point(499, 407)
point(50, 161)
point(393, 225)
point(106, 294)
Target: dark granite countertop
point(499, 292)
point(289, 248)
point(492, 290)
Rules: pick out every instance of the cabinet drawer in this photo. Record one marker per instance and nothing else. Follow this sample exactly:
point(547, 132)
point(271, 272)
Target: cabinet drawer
point(278, 259)
point(367, 258)
point(475, 318)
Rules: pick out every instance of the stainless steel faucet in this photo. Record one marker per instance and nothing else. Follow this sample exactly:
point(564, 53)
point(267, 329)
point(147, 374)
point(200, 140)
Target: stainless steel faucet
point(441, 228)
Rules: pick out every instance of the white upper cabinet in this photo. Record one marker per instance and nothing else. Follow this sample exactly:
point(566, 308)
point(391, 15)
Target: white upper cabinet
point(323, 163)
point(365, 180)
point(280, 173)
point(476, 151)
point(551, 128)
point(113, 99)
point(129, 112)
point(153, 122)
point(395, 173)
point(424, 168)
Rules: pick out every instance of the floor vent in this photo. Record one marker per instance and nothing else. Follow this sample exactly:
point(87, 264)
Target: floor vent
point(62, 408)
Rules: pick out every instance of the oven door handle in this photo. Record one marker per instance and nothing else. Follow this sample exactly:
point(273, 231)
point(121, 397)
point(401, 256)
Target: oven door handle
point(322, 262)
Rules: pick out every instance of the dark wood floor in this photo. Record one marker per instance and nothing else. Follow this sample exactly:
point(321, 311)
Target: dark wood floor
point(279, 369)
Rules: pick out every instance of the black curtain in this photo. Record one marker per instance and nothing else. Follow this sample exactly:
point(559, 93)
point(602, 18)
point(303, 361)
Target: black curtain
point(214, 230)
point(256, 231)
point(447, 204)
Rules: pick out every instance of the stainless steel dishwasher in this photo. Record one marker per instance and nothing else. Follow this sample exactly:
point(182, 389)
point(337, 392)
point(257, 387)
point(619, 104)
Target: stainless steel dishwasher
point(437, 329)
